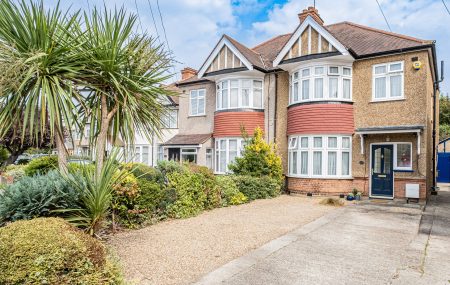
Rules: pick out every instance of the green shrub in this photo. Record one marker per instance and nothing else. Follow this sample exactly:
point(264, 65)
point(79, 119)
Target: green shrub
point(259, 158)
point(15, 171)
point(186, 194)
point(41, 165)
point(229, 191)
point(123, 200)
point(78, 167)
point(152, 198)
point(50, 251)
point(209, 185)
point(36, 196)
point(143, 171)
point(257, 187)
point(168, 167)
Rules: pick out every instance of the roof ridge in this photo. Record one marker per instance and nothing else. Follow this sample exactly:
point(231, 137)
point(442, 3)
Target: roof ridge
point(256, 53)
point(382, 32)
point(270, 40)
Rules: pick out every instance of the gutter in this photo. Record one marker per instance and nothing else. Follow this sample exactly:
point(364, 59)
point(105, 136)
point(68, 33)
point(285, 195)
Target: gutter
point(389, 52)
point(436, 82)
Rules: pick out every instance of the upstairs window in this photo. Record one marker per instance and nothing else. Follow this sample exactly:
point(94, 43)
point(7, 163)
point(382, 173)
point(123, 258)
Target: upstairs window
point(320, 83)
point(170, 120)
point(197, 102)
point(239, 93)
point(388, 81)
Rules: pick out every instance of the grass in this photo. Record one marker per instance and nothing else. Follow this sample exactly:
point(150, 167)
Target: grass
point(335, 202)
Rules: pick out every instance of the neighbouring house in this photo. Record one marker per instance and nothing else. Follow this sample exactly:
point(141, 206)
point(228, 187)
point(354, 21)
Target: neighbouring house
point(348, 105)
point(146, 150)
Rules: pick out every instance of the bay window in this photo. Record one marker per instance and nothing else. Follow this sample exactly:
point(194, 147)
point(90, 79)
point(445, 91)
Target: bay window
point(239, 93)
point(388, 81)
point(320, 156)
point(321, 82)
point(227, 149)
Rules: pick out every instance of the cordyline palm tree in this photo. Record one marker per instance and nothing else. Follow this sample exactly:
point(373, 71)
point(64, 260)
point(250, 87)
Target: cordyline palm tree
point(125, 73)
point(38, 69)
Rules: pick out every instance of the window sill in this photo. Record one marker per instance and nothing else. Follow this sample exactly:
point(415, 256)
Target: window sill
point(323, 101)
point(387, 100)
point(196, 116)
point(403, 170)
point(320, 177)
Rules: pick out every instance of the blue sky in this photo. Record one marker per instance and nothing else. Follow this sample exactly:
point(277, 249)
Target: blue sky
point(193, 27)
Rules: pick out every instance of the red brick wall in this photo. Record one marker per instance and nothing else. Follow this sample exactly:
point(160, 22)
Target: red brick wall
point(344, 186)
point(320, 119)
point(227, 124)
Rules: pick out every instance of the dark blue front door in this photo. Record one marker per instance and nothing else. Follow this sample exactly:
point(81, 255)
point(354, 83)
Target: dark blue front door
point(382, 171)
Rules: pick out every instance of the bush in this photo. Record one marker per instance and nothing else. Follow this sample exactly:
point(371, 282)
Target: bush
point(50, 251)
point(142, 171)
point(229, 191)
point(152, 198)
point(186, 195)
point(41, 165)
point(168, 167)
point(124, 198)
point(332, 202)
point(15, 171)
point(36, 196)
point(258, 158)
point(209, 185)
point(257, 187)
point(78, 167)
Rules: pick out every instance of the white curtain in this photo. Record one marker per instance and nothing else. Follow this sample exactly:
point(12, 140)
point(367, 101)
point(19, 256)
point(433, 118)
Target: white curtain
point(380, 87)
point(333, 87)
point(305, 89)
point(318, 88)
point(317, 163)
point(345, 163)
point(347, 87)
point(396, 85)
point(304, 163)
point(332, 157)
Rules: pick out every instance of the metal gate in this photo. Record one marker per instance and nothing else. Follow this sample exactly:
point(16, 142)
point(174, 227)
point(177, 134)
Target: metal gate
point(443, 167)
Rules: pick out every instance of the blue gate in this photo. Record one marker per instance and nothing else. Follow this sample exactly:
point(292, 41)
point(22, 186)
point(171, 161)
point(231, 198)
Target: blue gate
point(443, 167)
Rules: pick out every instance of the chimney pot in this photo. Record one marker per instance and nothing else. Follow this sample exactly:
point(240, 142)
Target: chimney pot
point(313, 12)
point(187, 73)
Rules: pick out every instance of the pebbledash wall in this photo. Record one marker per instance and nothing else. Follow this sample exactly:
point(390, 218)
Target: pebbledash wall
point(414, 109)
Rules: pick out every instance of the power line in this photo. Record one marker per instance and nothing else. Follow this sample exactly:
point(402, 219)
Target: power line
point(139, 16)
point(446, 8)
point(162, 23)
point(154, 22)
point(379, 6)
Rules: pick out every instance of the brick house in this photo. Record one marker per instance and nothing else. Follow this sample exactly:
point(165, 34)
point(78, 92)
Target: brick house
point(348, 105)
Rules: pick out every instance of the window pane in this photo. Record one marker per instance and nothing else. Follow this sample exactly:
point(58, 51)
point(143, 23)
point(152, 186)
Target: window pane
point(219, 100)
point(345, 142)
point(304, 163)
point(209, 158)
point(232, 144)
point(333, 87)
point(317, 142)
point(257, 84)
point(345, 163)
point(305, 72)
point(318, 88)
point(225, 84)
point(295, 75)
point(223, 161)
point(404, 155)
point(292, 143)
point(305, 89)
point(395, 67)
point(332, 158)
point(317, 163)
point(295, 92)
point(304, 142)
point(257, 98)
point(201, 106)
point(334, 70)
point(347, 88)
point(293, 162)
point(234, 98)
point(225, 98)
point(246, 83)
point(380, 69)
point(332, 142)
point(194, 105)
point(245, 97)
point(347, 71)
point(396, 86)
point(145, 155)
point(380, 87)
point(234, 83)
point(318, 70)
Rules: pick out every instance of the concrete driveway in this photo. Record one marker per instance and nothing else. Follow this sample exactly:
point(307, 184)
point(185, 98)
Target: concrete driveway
point(360, 244)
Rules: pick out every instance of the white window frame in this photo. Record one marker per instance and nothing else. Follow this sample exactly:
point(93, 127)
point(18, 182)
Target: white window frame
point(217, 152)
point(240, 87)
point(197, 112)
point(209, 152)
point(388, 74)
point(138, 153)
point(324, 149)
point(326, 76)
point(398, 168)
point(170, 119)
point(183, 150)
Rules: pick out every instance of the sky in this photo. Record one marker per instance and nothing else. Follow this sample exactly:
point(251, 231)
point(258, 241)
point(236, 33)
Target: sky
point(193, 27)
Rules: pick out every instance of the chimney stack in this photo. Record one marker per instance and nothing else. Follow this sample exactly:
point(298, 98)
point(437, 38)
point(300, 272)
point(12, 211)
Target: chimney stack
point(313, 12)
point(187, 73)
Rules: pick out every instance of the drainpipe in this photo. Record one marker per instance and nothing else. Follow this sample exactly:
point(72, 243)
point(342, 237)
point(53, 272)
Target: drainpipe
point(436, 82)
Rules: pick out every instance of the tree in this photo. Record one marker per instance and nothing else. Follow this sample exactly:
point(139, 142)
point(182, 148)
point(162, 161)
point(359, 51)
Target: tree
point(259, 158)
point(13, 142)
point(124, 75)
point(444, 117)
point(39, 68)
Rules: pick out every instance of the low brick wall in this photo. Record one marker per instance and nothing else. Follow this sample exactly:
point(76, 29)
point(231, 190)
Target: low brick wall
point(344, 186)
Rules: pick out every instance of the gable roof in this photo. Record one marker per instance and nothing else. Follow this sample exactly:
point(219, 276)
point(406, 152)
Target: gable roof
point(252, 56)
point(364, 41)
point(270, 49)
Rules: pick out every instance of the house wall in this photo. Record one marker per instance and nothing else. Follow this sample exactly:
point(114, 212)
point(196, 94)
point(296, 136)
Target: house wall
point(282, 99)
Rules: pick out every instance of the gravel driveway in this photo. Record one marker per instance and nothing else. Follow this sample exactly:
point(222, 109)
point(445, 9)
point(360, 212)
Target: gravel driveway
point(181, 251)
